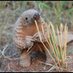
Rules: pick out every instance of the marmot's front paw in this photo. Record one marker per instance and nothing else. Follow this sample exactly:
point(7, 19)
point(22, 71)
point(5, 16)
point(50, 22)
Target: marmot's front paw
point(28, 41)
point(25, 59)
point(36, 37)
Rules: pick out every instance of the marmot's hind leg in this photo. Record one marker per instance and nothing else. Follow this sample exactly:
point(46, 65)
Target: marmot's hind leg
point(25, 60)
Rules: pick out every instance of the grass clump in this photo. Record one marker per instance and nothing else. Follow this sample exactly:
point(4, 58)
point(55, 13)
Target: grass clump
point(57, 41)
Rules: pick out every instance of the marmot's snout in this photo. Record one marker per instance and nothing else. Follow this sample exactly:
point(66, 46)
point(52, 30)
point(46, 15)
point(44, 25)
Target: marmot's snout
point(36, 16)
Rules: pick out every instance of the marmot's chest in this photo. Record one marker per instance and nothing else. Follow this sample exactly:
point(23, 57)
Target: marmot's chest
point(28, 30)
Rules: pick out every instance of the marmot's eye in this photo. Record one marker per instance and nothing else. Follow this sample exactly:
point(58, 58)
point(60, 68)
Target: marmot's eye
point(26, 18)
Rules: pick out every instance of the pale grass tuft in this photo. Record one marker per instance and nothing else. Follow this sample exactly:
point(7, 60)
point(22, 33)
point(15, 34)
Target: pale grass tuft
point(55, 41)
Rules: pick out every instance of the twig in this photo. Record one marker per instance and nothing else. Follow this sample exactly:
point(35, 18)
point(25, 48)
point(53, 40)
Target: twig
point(53, 67)
point(45, 63)
point(4, 49)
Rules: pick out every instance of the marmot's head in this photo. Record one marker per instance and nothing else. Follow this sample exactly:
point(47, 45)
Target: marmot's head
point(29, 16)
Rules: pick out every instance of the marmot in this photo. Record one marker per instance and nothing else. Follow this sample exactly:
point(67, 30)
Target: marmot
point(24, 30)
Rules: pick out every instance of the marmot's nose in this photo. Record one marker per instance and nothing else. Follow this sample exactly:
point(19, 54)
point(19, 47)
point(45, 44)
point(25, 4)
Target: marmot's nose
point(36, 16)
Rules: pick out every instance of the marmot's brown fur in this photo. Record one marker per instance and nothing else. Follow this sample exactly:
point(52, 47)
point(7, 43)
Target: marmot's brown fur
point(24, 30)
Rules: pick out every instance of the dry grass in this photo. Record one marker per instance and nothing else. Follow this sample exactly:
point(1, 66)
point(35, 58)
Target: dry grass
point(55, 41)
